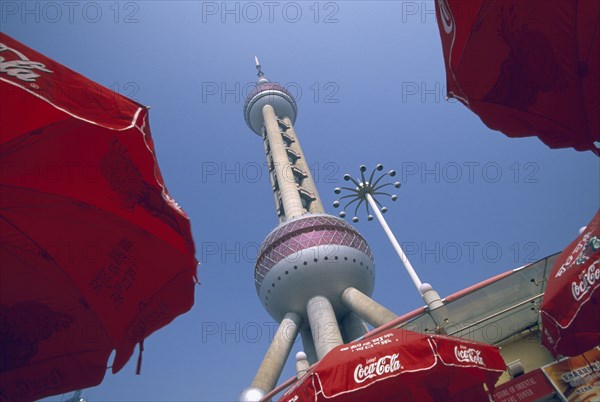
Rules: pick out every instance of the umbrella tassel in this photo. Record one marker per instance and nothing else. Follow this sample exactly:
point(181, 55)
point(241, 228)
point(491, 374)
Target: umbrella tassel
point(138, 369)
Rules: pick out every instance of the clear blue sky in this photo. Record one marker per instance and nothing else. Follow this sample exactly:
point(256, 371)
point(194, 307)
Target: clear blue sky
point(370, 82)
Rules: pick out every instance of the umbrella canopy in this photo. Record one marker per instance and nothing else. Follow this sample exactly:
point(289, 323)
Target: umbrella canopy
point(571, 305)
point(94, 253)
point(400, 365)
point(526, 67)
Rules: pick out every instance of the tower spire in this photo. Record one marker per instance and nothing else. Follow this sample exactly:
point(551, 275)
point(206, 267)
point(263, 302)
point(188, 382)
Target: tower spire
point(260, 74)
point(258, 67)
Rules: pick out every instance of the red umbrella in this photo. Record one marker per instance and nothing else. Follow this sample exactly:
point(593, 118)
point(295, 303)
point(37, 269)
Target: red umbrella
point(571, 306)
point(526, 67)
point(94, 253)
point(400, 365)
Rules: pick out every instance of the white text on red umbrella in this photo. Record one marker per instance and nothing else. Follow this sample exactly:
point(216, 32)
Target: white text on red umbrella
point(385, 365)
point(468, 355)
point(588, 278)
point(22, 69)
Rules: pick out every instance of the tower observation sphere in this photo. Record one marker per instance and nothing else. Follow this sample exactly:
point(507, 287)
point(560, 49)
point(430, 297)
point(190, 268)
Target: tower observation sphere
point(315, 254)
point(268, 93)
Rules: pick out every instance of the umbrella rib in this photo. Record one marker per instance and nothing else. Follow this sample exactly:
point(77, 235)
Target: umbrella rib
point(72, 354)
point(581, 89)
point(16, 144)
point(79, 295)
point(477, 18)
point(110, 214)
point(171, 317)
point(37, 245)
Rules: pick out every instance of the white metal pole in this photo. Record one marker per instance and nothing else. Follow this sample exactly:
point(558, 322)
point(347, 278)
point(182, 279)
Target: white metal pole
point(390, 235)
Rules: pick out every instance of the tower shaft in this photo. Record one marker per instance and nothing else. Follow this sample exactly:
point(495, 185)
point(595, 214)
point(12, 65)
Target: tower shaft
point(294, 189)
point(316, 206)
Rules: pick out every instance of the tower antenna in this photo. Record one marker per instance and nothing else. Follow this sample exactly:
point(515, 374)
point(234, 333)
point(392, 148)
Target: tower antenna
point(259, 68)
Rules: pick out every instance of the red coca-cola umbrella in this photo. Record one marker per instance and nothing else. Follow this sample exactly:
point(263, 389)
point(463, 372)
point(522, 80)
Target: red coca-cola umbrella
point(571, 306)
point(400, 365)
point(94, 253)
point(526, 67)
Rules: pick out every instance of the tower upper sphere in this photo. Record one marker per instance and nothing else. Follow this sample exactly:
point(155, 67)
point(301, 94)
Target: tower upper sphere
point(268, 93)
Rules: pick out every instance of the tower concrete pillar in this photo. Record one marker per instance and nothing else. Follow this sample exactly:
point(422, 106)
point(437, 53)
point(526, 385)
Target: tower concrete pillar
point(269, 371)
point(309, 345)
point(368, 309)
point(324, 326)
point(288, 188)
point(353, 327)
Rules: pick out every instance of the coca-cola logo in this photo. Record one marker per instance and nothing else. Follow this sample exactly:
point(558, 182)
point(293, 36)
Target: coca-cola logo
point(21, 68)
point(376, 367)
point(468, 355)
point(588, 278)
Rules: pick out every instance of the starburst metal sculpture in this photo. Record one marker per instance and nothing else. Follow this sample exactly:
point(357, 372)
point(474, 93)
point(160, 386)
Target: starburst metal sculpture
point(365, 192)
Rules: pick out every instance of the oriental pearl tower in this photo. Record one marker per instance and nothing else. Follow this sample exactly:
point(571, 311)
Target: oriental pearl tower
point(314, 272)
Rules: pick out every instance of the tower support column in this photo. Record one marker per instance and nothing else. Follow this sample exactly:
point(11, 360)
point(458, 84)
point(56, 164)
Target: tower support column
point(292, 205)
point(270, 369)
point(368, 309)
point(323, 324)
point(309, 345)
point(353, 327)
